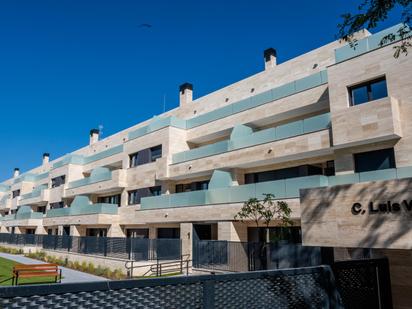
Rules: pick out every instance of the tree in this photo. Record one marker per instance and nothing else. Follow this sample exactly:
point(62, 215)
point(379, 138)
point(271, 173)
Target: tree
point(265, 211)
point(371, 12)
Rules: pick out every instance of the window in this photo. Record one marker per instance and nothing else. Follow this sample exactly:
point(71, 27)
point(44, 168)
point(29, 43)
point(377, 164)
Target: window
point(96, 232)
point(329, 170)
point(58, 181)
point(16, 193)
point(145, 156)
point(112, 199)
point(374, 160)
point(372, 90)
point(193, 186)
point(136, 195)
point(155, 153)
point(57, 205)
point(154, 191)
point(285, 173)
point(171, 233)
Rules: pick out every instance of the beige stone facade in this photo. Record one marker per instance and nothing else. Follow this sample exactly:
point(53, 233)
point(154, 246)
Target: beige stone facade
point(298, 115)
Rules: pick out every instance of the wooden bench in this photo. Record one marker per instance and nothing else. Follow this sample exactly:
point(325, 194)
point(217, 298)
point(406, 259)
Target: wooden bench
point(36, 270)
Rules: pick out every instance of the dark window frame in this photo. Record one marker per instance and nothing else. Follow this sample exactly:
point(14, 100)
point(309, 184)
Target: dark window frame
point(15, 193)
point(357, 158)
point(101, 199)
point(153, 158)
point(368, 84)
point(145, 156)
point(136, 200)
point(58, 181)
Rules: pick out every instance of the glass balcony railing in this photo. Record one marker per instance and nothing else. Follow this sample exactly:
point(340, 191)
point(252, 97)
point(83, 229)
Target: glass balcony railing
point(82, 206)
point(97, 175)
point(281, 189)
point(367, 44)
point(81, 160)
point(276, 93)
point(287, 188)
point(35, 193)
point(296, 128)
point(23, 213)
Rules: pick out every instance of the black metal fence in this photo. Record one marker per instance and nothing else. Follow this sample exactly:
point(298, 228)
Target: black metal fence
point(311, 287)
point(364, 283)
point(138, 249)
point(246, 256)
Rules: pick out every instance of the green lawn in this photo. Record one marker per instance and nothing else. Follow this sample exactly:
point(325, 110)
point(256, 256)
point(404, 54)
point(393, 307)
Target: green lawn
point(6, 272)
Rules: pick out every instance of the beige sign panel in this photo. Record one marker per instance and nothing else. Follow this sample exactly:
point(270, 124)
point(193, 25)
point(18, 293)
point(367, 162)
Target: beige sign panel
point(364, 215)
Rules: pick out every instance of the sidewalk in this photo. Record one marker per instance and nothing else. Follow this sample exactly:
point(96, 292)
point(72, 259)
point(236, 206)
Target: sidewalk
point(69, 275)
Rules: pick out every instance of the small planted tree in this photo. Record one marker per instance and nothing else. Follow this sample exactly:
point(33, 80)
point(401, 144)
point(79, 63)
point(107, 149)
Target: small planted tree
point(264, 211)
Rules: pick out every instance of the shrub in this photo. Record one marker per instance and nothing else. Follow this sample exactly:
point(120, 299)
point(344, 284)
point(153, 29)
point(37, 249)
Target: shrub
point(11, 250)
point(84, 266)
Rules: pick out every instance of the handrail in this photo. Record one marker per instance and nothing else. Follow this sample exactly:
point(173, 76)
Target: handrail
point(158, 268)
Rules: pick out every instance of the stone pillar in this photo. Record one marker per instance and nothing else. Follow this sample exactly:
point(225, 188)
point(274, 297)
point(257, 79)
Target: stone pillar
point(60, 230)
point(186, 235)
point(235, 233)
point(41, 230)
point(74, 231)
point(115, 231)
point(152, 232)
point(231, 231)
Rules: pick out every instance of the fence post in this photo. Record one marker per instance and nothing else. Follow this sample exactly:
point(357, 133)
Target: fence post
point(181, 264)
point(208, 294)
point(105, 246)
point(384, 282)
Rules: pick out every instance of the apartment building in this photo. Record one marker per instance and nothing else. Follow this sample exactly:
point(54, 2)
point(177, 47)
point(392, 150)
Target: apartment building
point(328, 132)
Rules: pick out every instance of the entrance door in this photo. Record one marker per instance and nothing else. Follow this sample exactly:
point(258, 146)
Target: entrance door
point(66, 230)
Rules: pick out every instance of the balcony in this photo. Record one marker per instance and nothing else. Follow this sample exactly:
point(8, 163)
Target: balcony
point(81, 206)
point(23, 217)
point(375, 121)
point(5, 203)
point(282, 189)
point(366, 44)
point(297, 140)
point(39, 196)
point(292, 129)
point(100, 180)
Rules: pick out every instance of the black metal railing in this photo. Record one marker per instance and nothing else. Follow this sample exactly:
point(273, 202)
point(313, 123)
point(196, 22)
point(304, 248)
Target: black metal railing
point(364, 283)
point(247, 256)
point(160, 268)
point(311, 287)
point(117, 247)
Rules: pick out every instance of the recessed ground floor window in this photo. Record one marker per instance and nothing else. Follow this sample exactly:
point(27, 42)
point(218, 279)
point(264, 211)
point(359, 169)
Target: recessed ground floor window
point(168, 232)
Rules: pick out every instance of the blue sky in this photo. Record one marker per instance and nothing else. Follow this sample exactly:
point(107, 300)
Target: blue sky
point(71, 65)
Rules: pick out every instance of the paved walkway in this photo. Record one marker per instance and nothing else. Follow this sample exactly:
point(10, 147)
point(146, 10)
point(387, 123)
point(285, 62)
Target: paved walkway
point(69, 275)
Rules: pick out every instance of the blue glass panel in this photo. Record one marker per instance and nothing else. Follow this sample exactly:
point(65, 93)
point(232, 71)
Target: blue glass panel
point(379, 90)
point(359, 95)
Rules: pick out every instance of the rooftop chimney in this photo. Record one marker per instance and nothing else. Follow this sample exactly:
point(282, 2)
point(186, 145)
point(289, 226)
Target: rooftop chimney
point(46, 157)
point(16, 172)
point(270, 58)
point(185, 93)
point(94, 136)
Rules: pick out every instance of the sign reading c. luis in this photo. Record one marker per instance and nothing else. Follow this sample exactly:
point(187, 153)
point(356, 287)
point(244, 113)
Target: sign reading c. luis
point(381, 208)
